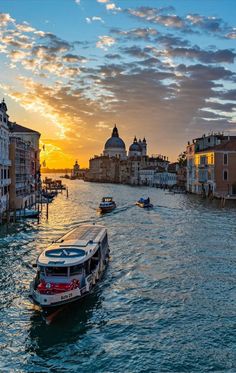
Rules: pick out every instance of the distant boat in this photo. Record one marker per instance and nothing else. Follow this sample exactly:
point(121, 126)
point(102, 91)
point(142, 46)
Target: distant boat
point(69, 269)
point(144, 202)
point(107, 205)
point(27, 213)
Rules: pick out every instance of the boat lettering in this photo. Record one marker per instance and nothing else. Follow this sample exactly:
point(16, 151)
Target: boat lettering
point(67, 296)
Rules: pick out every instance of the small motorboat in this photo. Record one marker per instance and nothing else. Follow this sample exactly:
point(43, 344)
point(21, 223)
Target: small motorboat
point(144, 202)
point(69, 268)
point(27, 213)
point(107, 205)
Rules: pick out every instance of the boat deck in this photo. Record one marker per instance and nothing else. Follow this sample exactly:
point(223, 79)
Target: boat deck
point(83, 233)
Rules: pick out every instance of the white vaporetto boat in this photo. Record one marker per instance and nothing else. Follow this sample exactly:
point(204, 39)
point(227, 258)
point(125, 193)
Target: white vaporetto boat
point(69, 268)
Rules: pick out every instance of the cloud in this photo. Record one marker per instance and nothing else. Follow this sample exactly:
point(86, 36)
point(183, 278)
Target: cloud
point(136, 34)
point(112, 6)
point(191, 23)
point(103, 1)
point(105, 42)
point(154, 15)
point(231, 34)
point(5, 18)
point(77, 2)
point(93, 19)
point(219, 56)
point(25, 27)
point(73, 58)
point(211, 24)
point(17, 55)
point(136, 51)
point(114, 56)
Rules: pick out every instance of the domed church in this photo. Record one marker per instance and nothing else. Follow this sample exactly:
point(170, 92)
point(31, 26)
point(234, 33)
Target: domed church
point(115, 146)
point(138, 148)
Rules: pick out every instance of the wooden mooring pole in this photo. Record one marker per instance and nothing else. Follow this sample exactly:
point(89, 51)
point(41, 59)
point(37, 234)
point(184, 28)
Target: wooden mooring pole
point(47, 210)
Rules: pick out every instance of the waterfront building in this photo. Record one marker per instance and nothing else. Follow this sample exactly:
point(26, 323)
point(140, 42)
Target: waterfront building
point(211, 166)
point(31, 137)
point(4, 159)
point(160, 176)
point(147, 175)
point(76, 170)
point(116, 167)
point(25, 166)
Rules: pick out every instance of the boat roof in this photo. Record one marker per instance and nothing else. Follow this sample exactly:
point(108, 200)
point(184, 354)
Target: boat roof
point(75, 247)
point(107, 199)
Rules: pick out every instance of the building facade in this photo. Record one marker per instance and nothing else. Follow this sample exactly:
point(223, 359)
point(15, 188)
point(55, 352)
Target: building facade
point(25, 166)
point(4, 159)
point(211, 166)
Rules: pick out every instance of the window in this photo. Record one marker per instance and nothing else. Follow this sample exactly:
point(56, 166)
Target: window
point(56, 271)
point(203, 160)
point(225, 158)
point(225, 175)
point(76, 270)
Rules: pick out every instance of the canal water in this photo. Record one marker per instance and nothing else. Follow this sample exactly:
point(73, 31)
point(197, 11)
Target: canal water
point(167, 302)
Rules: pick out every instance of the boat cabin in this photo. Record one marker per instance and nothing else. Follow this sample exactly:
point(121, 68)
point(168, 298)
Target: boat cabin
point(74, 255)
point(107, 199)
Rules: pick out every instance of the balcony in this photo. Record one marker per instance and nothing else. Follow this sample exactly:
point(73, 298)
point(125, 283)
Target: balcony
point(5, 162)
point(202, 179)
point(5, 182)
point(202, 165)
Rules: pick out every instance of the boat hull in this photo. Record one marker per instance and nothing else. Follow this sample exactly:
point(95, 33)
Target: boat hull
point(25, 215)
point(106, 209)
point(144, 205)
point(53, 304)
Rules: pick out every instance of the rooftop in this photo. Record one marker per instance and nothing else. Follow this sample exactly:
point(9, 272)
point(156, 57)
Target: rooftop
point(229, 145)
point(14, 127)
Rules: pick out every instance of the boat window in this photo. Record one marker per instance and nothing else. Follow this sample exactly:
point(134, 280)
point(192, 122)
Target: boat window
point(75, 270)
point(42, 270)
point(95, 259)
point(56, 271)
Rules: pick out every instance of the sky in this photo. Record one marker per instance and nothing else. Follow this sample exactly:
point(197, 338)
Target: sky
point(71, 69)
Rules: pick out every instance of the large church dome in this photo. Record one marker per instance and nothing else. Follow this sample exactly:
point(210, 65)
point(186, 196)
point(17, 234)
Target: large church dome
point(115, 146)
point(114, 141)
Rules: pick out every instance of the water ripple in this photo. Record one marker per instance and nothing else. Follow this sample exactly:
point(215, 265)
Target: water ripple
point(166, 302)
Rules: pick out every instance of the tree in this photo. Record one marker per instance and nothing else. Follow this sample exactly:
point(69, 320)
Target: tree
point(182, 160)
